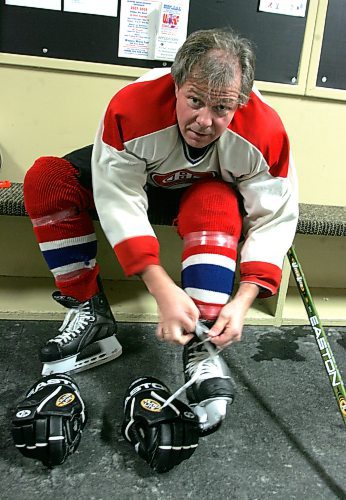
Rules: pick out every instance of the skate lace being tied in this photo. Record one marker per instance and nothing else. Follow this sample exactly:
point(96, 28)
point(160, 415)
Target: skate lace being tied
point(201, 364)
point(75, 321)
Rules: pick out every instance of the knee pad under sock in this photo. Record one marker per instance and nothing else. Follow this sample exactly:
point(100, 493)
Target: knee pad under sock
point(209, 222)
point(58, 207)
point(208, 269)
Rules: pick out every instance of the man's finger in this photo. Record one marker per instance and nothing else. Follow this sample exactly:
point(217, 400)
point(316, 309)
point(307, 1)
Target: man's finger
point(218, 327)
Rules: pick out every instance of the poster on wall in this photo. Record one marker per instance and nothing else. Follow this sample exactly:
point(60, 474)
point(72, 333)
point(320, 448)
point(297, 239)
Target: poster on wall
point(291, 8)
point(138, 21)
point(96, 7)
point(172, 29)
point(39, 4)
point(152, 29)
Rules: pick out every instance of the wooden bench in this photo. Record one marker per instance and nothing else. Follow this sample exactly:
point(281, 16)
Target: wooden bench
point(319, 220)
point(314, 220)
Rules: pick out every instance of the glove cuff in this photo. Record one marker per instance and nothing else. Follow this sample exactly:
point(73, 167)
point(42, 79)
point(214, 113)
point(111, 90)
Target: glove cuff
point(142, 384)
point(49, 380)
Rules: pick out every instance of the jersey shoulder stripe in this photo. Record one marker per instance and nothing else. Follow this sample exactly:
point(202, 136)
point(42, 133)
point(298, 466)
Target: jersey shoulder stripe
point(261, 126)
point(139, 109)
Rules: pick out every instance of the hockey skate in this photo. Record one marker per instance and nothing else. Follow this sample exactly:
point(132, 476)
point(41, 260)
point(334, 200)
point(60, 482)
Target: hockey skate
point(87, 337)
point(210, 387)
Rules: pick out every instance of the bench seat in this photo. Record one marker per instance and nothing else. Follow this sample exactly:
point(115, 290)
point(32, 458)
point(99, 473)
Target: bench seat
point(319, 220)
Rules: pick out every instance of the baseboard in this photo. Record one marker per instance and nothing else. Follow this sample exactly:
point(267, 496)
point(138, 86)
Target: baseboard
point(30, 298)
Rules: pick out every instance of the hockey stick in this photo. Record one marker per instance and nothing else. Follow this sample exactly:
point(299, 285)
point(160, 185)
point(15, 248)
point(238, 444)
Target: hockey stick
point(320, 335)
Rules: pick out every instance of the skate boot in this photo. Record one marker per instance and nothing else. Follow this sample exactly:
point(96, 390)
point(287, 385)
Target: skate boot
point(210, 387)
point(87, 337)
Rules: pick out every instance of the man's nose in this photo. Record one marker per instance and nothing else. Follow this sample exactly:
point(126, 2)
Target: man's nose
point(204, 117)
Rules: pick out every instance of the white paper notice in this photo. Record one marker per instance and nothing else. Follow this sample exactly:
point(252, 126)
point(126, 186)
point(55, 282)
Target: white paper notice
point(172, 29)
point(96, 7)
point(138, 28)
point(39, 4)
point(286, 7)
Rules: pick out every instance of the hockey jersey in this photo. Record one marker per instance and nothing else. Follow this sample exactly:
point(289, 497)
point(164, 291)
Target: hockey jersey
point(138, 142)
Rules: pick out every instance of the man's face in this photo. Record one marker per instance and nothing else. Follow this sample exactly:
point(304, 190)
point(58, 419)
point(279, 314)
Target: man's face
point(203, 115)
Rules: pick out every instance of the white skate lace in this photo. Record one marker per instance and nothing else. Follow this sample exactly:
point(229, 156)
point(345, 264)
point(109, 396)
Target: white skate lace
point(75, 321)
point(202, 364)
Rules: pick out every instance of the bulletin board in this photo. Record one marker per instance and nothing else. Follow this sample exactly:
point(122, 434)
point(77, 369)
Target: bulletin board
point(278, 39)
point(332, 67)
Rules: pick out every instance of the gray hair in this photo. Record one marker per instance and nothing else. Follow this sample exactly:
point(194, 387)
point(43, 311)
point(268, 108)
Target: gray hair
point(212, 57)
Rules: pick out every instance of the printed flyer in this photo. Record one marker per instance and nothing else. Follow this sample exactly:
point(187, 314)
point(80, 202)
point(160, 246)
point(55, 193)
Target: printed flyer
point(152, 29)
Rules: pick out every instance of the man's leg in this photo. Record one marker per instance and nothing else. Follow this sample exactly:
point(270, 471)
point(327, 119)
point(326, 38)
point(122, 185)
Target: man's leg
point(58, 206)
point(209, 222)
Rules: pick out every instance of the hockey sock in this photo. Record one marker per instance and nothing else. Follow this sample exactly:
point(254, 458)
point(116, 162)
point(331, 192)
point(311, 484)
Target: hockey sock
point(209, 222)
point(58, 207)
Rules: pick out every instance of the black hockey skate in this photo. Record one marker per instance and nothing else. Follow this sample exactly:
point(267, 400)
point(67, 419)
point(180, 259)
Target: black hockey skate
point(212, 388)
point(87, 336)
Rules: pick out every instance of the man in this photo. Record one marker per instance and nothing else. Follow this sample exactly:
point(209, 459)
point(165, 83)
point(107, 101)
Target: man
point(195, 142)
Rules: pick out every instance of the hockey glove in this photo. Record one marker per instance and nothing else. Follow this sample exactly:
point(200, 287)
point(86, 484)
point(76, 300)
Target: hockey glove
point(163, 437)
point(48, 423)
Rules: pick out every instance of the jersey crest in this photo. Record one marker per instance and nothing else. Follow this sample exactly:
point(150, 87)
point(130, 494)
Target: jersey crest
point(182, 176)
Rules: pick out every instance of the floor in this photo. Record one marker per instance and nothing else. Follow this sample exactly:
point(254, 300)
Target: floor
point(283, 437)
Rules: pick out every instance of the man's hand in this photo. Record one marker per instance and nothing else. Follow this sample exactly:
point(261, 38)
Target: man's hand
point(178, 313)
point(228, 327)
point(178, 316)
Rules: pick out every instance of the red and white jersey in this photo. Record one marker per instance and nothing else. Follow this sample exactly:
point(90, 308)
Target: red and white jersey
point(138, 142)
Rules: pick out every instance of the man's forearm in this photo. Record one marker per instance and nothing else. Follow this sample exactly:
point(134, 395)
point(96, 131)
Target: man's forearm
point(156, 279)
point(246, 294)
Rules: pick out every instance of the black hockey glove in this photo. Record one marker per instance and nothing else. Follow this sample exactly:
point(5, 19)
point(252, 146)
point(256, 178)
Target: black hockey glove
point(163, 437)
point(47, 425)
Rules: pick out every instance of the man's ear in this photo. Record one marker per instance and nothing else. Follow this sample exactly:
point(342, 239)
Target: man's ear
point(176, 90)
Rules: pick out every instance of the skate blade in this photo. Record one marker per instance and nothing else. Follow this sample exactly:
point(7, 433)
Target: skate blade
point(60, 366)
point(211, 415)
point(96, 354)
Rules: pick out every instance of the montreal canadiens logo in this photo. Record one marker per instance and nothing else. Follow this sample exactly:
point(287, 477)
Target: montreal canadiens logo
point(151, 405)
point(183, 176)
point(65, 399)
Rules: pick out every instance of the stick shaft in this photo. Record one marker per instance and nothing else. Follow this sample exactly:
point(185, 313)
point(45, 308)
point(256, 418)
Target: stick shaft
point(320, 335)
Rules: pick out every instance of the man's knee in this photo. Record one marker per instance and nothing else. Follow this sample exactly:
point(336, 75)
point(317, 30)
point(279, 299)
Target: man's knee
point(49, 185)
point(47, 170)
point(210, 206)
